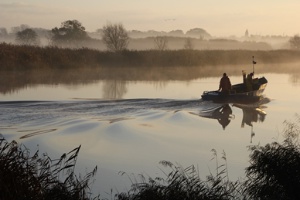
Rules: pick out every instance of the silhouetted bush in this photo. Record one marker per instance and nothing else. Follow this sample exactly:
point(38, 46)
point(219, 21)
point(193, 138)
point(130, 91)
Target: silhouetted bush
point(274, 171)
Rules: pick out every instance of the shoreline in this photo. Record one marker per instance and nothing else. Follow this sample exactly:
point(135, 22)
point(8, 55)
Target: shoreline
point(21, 57)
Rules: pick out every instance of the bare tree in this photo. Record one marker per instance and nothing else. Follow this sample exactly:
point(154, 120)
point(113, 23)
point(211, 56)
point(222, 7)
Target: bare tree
point(161, 42)
point(115, 37)
point(295, 42)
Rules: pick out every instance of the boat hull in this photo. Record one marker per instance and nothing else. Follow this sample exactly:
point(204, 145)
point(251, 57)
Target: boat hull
point(238, 93)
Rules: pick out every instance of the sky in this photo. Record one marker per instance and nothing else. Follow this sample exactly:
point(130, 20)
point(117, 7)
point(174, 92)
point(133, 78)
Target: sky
point(217, 17)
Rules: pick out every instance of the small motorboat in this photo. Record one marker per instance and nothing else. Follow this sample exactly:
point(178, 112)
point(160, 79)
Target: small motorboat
point(239, 93)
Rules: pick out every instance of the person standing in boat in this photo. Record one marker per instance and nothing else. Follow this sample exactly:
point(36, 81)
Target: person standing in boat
point(225, 84)
point(249, 82)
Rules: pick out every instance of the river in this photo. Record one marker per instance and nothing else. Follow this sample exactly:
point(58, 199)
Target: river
point(131, 125)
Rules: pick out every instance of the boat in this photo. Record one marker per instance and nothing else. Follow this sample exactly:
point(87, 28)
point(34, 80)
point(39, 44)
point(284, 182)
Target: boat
point(244, 92)
point(238, 93)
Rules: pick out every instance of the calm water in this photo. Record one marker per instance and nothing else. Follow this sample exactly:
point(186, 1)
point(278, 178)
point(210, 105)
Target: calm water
point(130, 126)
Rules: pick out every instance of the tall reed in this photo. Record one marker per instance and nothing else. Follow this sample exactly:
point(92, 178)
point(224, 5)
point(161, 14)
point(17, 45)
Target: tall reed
point(185, 183)
point(273, 174)
point(26, 176)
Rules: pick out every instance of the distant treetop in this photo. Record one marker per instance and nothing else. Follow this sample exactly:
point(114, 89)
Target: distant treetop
point(198, 33)
point(69, 32)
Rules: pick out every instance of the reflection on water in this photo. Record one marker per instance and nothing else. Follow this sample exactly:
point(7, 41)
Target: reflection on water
point(115, 78)
point(223, 113)
point(43, 112)
point(148, 118)
point(295, 79)
point(130, 135)
point(114, 89)
point(133, 135)
point(251, 115)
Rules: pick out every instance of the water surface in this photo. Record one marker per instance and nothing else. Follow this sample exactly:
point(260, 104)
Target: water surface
point(131, 125)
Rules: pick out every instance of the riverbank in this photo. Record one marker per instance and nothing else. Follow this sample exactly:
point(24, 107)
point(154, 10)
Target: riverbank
point(16, 57)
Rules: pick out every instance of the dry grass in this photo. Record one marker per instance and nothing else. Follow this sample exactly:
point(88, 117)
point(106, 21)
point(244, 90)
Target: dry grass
point(14, 57)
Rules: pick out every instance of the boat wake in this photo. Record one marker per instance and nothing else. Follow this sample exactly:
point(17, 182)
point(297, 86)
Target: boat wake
point(33, 118)
point(41, 112)
point(114, 132)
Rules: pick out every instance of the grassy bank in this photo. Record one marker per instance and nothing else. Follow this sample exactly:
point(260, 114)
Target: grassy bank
point(273, 173)
point(31, 57)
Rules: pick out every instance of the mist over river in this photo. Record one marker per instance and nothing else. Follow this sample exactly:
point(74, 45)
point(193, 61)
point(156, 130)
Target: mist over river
point(132, 125)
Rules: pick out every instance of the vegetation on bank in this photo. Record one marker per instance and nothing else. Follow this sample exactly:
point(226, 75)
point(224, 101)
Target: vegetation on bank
point(24, 57)
point(273, 174)
point(26, 176)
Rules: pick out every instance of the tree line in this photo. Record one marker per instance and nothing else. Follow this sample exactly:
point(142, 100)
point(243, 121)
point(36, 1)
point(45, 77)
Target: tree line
point(72, 33)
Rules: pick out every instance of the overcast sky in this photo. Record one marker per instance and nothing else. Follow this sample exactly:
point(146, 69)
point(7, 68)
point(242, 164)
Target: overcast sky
point(218, 17)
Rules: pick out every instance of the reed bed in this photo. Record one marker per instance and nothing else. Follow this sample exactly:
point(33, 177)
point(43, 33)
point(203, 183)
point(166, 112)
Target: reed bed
point(33, 57)
point(185, 183)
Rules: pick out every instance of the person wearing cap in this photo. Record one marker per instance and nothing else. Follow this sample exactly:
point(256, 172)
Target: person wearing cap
point(225, 84)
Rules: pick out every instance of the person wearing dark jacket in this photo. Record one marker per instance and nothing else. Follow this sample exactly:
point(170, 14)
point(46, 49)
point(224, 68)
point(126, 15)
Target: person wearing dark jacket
point(225, 84)
point(249, 82)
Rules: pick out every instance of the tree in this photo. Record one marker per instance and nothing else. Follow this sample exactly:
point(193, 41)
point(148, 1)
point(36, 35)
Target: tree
point(176, 33)
point(115, 37)
point(198, 33)
point(22, 27)
point(3, 32)
point(247, 33)
point(27, 37)
point(295, 42)
point(70, 31)
point(161, 42)
point(188, 44)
